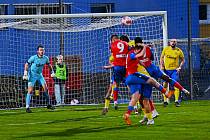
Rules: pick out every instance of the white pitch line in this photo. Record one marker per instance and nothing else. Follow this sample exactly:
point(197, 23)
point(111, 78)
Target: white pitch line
point(8, 112)
point(32, 123)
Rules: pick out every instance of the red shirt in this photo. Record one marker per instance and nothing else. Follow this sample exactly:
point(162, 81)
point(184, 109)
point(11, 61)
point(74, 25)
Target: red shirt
point(119, 51)
point(131, 63)
point(145, 60)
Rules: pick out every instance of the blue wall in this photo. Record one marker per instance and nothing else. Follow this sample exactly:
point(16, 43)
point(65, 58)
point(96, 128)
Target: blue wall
point(177, 11)
point(13, 43)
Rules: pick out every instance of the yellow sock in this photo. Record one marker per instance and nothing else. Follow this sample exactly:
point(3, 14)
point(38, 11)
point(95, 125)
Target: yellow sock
point(107, 102)
point(164, 98)
point(111, 96)
point(143, 111)
point(165, 85)
point(176, 94)
point(138, 104)
point(113, 86)
point(149, 116)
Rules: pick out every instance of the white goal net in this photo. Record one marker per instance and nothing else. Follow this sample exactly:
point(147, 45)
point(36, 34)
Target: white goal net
point(83, 39)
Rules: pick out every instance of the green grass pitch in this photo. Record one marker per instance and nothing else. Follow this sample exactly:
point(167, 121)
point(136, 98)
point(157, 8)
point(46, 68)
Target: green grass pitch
point(191, 121)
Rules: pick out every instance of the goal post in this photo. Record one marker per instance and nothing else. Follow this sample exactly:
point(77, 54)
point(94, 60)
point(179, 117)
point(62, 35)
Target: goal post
point(86, 41)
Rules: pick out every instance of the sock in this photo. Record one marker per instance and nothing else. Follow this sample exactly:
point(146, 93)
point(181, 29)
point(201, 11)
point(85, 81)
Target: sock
point(107, 102)
point(143, 111)
point(115, 93)
point(141, 102)
point(149, 116)
point(137, 104)
point(130, 109)
point(162, 89)
point(115, 102)
point(151, 105)
point(155, 111)
point(164, 98)
point(170, 93)
point(46, 97)
point(176, 84)
point(28, 99)
point(135, 107)
point(176, 94)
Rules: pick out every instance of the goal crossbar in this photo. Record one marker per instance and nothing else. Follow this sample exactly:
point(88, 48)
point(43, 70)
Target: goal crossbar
point(84, 15)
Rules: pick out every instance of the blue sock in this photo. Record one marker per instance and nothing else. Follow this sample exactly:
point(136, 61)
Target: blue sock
point(131, 108)
point(46, 96)
point(162, 89)
point(28, 99)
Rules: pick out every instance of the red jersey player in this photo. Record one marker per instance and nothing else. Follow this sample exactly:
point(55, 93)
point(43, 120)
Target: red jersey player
point(134, 80)
point(119, 50)
point(154, 71)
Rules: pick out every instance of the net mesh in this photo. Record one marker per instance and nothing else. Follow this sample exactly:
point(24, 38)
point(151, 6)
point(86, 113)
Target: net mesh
point(84, 42)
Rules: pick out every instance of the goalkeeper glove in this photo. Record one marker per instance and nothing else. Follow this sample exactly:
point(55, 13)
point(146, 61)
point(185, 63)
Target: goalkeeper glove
point(52, 74)
point(25, 75)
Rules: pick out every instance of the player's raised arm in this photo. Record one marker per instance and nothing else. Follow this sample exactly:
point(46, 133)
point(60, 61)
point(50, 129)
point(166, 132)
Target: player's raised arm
point(142, 52)
point(139, 44)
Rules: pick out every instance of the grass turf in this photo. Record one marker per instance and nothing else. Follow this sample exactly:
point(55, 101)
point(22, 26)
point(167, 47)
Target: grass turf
point(190, 121)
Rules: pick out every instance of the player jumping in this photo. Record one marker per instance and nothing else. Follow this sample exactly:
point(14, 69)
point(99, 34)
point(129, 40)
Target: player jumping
point(134, 80)
point(119, 50)
point(153, 70)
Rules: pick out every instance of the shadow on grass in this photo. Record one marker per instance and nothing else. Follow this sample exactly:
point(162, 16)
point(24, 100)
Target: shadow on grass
point(72, 119)
point(75, 131)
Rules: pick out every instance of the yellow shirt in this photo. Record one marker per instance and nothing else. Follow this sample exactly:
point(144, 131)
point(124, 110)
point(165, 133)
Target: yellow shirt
point(111, 58)
point(131, 43)
point(172, 57)
point(142, 70)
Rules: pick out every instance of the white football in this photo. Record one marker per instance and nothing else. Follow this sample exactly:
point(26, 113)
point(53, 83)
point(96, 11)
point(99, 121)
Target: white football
point(74, 102)
point(126, 20)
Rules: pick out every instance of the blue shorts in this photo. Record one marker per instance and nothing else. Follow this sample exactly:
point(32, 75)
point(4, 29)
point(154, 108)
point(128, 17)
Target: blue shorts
point(173, 74)
point(135, 87)
point(135, 81)
point(154, 71)
point(119, 74)
point(146, 91)
point(32, 78)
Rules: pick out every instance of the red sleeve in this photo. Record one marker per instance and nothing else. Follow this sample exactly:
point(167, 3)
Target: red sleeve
point(148, 52)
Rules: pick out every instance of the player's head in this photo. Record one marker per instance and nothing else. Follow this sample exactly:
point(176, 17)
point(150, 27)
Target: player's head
point(138, 43)
point(173, 43)
point(60, 59)
point(40, 50)
point(124, 38)
point(138, 40)
point(114, 37)
point(138, 48)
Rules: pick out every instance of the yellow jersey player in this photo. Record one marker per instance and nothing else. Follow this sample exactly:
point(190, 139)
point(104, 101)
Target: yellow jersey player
point(171, 61)
point(109, 93)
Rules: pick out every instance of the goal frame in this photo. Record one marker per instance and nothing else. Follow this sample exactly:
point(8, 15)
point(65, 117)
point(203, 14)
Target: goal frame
point(149, 13)
point(162, 14)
